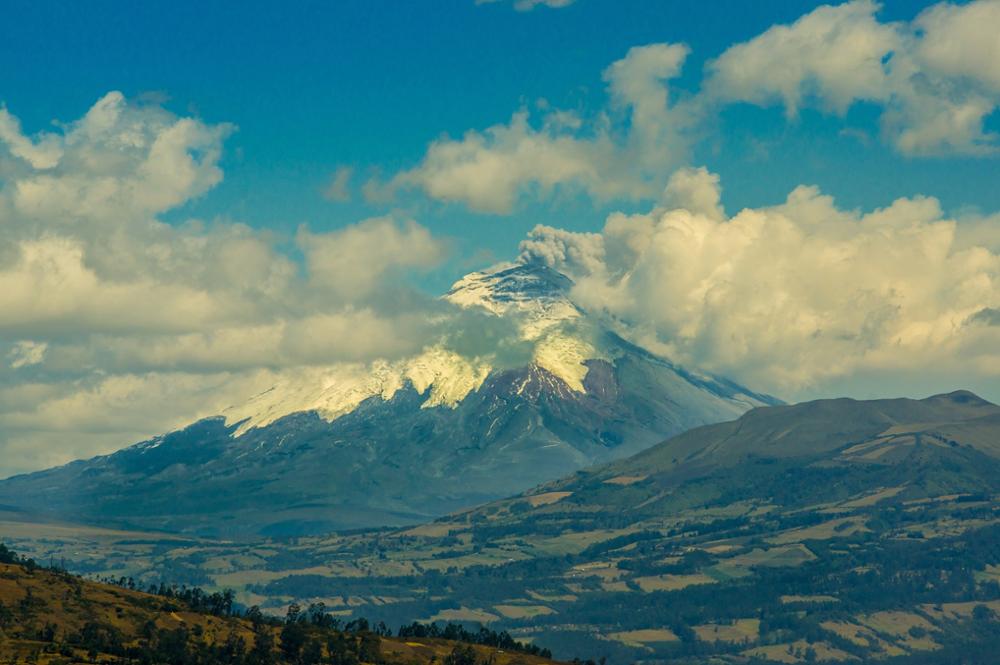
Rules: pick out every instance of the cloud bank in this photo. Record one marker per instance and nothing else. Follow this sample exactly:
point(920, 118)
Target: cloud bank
point(934, 80)
point(790, 296)
point(108, 314)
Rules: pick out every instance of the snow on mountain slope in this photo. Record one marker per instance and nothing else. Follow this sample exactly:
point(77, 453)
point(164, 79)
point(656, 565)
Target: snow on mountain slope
point(533, 289)
point(444, 376)
point(534, 295)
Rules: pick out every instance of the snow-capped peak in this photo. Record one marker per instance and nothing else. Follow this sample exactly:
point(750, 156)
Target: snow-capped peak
point(510, 286)
point(534, 294)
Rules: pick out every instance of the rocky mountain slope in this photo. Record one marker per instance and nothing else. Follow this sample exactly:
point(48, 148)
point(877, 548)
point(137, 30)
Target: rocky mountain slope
point(401, 442)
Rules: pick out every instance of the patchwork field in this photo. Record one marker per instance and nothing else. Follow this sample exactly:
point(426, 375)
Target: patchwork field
point(738, 632)
point(827, 558)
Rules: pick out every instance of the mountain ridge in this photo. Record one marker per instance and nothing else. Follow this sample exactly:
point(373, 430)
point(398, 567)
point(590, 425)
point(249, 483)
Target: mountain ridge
point(405, 441)
point(808, 430)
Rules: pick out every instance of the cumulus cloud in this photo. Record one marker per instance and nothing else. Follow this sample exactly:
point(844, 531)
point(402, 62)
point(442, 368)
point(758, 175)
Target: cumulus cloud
point(788, 297)
point(834, 53)
point(695, 189)
point(935, 78)
point(50, 422)
point(355, 260)
point(42, 153)
point(107, 313)
point(961, 40)
point(117, 161)
point(618, 154)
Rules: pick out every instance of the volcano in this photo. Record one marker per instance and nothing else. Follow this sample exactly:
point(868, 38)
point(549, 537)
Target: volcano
point(391, 443)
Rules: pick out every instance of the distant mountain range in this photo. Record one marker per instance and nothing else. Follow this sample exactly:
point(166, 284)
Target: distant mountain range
point(395, 443)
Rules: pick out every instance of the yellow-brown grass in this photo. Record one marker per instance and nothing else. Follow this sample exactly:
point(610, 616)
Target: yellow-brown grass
point(779, 652)
point(624, 480)
point(523, 611)
point(68, 603)
point(672, 582)
point(736, 632)
point(644, 636)
point(547, 498)
point(898, 624)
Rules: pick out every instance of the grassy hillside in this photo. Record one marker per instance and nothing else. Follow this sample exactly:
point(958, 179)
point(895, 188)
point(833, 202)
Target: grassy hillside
point(52, 617)
point(836, 531)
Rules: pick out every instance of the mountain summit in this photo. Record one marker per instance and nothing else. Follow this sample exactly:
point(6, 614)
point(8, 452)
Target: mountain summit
point(397, 442)
point(524, 286)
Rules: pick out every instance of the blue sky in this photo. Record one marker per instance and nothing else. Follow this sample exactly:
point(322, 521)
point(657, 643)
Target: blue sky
point(199, 201)
point(369, 84)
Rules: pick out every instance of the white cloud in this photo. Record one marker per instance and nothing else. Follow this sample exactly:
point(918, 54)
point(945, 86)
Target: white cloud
point(961, 40)
point(936, 78)
point(112, 321)
point(355, 260)
point(619, 154)
point(489, 170)
point(637, 83)
point(43, 153)
point(117, 161)
point(834, 53)
point(790, 297)
point(57, 421)
point(946, 81)
point(695, 189)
